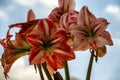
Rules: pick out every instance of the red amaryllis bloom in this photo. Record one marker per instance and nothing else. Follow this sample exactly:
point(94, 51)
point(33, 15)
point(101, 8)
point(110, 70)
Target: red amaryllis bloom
point(13, 49)
point(65, 6)
point(49, 45)
point(90, 32)
point(67, 21)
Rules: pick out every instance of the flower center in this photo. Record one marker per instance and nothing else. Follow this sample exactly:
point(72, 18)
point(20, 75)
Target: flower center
point(90, 34)
point(46, 45)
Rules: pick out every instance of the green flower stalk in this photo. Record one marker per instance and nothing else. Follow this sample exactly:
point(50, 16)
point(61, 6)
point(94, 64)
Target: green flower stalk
point(90, 66)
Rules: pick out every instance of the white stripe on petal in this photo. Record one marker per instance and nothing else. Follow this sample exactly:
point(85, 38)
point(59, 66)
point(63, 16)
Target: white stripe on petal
point(46, 28)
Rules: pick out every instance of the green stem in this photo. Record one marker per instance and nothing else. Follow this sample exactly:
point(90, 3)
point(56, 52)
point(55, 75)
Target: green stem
point(46, 71)
point(67, 75)
point(40, 71)
point(57, 76)
point(90, 66)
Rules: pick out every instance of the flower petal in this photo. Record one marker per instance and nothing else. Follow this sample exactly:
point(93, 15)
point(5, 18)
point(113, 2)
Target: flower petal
point(58, 36)
point(68, 20)
point(63, 52)
point(46, 26)
point(10, 55)
point(25, 27)
point(104, 39)
point(99, 25)
point(101, 51)
point(34, 40)
point(56, 14)
point(20, 42)
point(80, 44)
point(36, 55)
point(52, 61)
point(66, 5)
point(85, 17)
point(79, 31)
point(31, 15)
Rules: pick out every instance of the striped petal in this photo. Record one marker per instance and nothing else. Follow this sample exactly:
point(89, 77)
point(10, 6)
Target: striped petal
point(85, 17)
point(104, 39)
point(56, 14)
point(31, 15)
point(63, 51)
point(37, 55)
point(20, 42)
point(58, 36)
point(34, 40)
point(52, 61)
point(46, 27)
point(80, 44)
point(67, 5)
point(10, 55)
point(68, 20)
point(99, 25)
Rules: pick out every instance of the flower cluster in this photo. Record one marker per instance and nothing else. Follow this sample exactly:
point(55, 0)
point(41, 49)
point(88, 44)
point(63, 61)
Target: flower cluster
point(53, 40)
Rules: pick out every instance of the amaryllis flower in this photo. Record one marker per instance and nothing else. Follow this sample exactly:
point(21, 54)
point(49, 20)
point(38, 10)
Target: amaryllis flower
point(67, 22)
point(13, 49)
point(90, 32)
point(49, 45)
point(65, 6)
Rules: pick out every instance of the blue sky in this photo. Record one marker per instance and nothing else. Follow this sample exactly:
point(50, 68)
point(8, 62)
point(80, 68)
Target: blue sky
point(107, 68)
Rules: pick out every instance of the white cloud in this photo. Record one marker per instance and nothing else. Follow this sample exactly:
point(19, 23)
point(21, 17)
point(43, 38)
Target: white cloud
point(25, 2)
point(50, 2)
point(113, 10)
point(116, 42)
point(20, 71)
point(3, 16)
point(33, 2)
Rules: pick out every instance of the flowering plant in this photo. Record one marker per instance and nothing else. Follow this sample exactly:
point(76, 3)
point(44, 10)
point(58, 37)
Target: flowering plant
point(51, 42)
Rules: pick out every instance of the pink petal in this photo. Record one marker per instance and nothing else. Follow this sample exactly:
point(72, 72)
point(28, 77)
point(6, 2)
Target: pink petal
point(66, 5)
point(79, 31)
point(68, 20)
point(58, 36)
point(56, 14)
point(31, 15)
point(104, 39)
point(79, 44)
point(64, 19)
point(99, 25)
point(93, 45)
point(85, 17)
point(72, 5)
